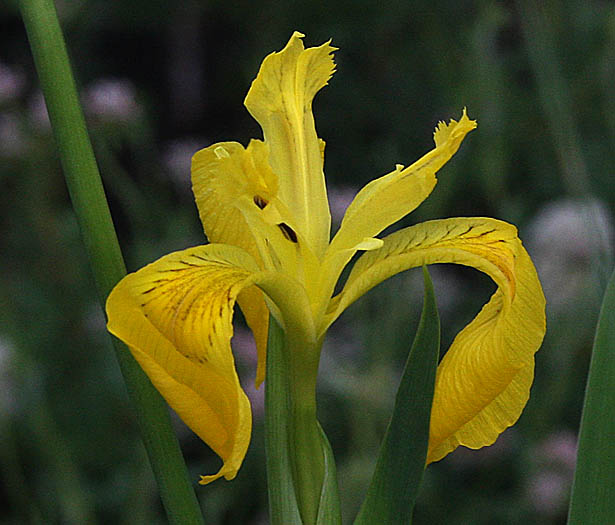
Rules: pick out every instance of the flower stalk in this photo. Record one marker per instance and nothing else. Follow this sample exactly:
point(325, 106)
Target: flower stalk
point(294, 440)
point(306, 447)
point(90, 205)
point(283, 507)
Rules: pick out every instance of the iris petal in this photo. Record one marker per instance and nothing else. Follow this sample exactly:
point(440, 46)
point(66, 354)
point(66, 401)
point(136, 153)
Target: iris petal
point(385, 200)
point(175, 316)
point(237, 196)
point(219, 181)
point(280, 99)
point(483, 381)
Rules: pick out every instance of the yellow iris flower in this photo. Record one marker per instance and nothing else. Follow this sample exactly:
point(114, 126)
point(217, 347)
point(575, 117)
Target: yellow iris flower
point(264, 209)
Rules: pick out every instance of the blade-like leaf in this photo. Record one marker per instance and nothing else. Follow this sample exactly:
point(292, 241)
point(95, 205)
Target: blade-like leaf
point(283, 508)
point(593, 490)
point(92, 212)
point(401, 461)
point(329, 512)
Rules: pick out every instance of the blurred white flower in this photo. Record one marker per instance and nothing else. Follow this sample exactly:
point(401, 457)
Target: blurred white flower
point(112, 100)
point(567, 240)
point(12, 139)
point(548, 492)
point(340, 198)
point(244, 347)
point(177, 158)
point(559, 449)
point(554, 461)
point(37, 113)
point(11, 83)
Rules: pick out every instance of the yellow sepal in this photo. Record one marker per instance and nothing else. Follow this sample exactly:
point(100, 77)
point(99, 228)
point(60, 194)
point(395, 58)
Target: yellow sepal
point(483, 381)
point(175, 316)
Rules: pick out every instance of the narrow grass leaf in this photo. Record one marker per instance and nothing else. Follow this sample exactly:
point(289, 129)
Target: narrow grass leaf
point(401, 462)
point(593, 490)
point(90, 205)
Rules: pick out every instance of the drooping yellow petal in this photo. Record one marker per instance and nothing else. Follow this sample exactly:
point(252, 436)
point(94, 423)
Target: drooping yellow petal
point(483, 381)
point(280, 99)
point(175, 315)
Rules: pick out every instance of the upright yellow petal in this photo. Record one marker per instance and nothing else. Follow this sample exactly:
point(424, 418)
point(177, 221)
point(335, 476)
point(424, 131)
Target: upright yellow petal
point(237, 196)
point(175, 316)
point(384, 201)
point(280, 99)
point(483, 381)
point(219, 179)
point(387, 199)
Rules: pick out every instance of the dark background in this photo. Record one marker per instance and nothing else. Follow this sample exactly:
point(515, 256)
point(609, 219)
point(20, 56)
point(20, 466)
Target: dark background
point(160, 80)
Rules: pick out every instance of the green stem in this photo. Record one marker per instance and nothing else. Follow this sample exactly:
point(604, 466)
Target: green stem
point(283, 508)
point(306, 446)
point(294, 441)
point(88, 198)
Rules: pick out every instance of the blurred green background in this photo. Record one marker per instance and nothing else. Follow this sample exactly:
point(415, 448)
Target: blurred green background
point(160, 80)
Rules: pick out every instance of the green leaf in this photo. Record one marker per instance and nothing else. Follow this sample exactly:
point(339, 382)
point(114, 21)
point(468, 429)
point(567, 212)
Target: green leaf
point(90, 205)
point(401, 462)
point(329, 511)
point(283, 507)
point(593, 490)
